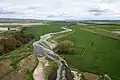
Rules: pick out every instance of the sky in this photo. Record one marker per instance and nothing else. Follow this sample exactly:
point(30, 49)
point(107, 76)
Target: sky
point(61, 9)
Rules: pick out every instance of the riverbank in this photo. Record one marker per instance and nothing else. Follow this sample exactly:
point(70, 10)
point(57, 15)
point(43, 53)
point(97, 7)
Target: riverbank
point(18, 64)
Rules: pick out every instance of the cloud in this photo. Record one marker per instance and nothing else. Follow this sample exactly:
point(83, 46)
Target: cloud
point(109, 1)
point(7, 12)
point(60, 9)
point(97, 12)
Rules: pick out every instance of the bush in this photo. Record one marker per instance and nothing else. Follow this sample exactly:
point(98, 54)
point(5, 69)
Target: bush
point(64, 47)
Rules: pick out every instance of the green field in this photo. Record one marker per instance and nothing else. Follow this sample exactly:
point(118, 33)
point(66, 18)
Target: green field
point(38, 30)
point(10, 26)
point(94, 53)
point(102, 32)
point(42, 29)
point(108, 27)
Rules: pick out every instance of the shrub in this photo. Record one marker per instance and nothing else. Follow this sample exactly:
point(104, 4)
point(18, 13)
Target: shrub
point(64, 47)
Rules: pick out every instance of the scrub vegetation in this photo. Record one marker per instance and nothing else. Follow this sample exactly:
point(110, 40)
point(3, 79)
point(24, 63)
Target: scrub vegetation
point(12, 41)
point(64, 47)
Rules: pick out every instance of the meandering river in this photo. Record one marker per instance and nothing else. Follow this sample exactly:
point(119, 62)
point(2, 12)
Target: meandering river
point(44, 48)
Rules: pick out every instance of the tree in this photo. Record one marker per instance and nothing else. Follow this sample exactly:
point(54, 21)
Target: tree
point(8, 29)
point(65, 46)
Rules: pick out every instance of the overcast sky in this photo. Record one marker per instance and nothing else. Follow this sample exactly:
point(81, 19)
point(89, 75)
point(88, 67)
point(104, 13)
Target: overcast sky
point(60, 9)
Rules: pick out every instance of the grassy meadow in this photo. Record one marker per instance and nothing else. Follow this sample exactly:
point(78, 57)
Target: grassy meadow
point(94, 52)
point(42, 29)
point(38, 30)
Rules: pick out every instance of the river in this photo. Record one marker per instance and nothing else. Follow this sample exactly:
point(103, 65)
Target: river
point(43, 48)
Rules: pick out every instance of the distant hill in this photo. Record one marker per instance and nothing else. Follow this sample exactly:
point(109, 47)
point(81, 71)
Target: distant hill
point(101, 20)
point(15, 20)
point(11, 20)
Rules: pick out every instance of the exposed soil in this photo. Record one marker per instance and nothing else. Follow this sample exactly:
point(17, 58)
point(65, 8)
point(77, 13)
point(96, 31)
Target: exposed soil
point(21, 73)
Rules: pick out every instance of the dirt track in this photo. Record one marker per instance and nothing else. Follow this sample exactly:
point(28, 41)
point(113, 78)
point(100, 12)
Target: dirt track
point(118, 32)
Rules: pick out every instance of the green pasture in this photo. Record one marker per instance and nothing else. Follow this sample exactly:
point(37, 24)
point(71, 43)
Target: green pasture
point(94, 52)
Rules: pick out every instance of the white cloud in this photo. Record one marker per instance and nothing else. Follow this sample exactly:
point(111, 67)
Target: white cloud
point(60, 9)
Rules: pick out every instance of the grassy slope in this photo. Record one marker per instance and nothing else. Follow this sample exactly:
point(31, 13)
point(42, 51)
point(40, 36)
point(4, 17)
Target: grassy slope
point(102, 53)
point(18, 64)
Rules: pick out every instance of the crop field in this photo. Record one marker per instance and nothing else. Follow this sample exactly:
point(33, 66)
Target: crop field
point(94, 52)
